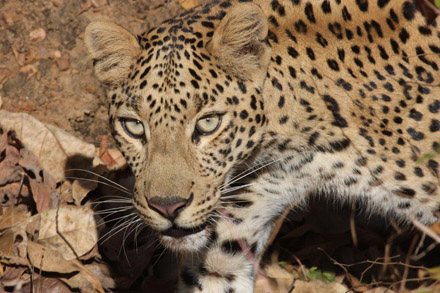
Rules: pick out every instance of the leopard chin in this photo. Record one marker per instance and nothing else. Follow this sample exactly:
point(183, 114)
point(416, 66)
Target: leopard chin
point(187, 242)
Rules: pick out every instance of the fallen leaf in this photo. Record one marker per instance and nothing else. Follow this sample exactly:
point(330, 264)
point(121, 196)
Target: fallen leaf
point(276, 277)
point(12, 216)
point(49, 260)
point(77, 226)
point(12, 276)
point(80, 189)
point(435, 227)
point(42, 184)
point(50, 144)
point(37, 35)
point(45, 284)
point(9, 171)
point(317, 286)
point(111, 158)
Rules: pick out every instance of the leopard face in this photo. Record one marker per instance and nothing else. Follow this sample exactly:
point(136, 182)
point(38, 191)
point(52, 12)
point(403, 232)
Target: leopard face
point(181, 121)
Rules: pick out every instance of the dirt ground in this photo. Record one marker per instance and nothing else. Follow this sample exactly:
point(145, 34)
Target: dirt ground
point(44, 69)
point(45, 72)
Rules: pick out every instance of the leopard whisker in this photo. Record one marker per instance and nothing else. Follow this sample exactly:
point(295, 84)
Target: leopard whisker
point(117, 228)
point(100, 176)
point(99, 182)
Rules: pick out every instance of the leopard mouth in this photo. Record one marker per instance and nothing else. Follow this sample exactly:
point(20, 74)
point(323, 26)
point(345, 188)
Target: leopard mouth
point(179, 232)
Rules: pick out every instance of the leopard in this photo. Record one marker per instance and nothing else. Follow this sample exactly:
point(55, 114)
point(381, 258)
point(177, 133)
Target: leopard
point(235, 111)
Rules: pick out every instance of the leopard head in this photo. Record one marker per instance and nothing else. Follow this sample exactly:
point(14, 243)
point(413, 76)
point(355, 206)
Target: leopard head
point(185, 109)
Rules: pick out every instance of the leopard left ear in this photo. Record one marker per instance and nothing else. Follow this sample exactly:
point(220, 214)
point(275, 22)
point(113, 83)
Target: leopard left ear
point(239, 42)
point(113, 50)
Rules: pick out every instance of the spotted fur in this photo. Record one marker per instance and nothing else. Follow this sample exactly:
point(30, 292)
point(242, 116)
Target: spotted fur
point(340, 97)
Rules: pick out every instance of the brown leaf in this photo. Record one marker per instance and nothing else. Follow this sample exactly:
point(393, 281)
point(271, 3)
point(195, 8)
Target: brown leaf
point(111, 158)
point(80, 189)
point(12, 216)
point(51, 145)
point(9, 171)
point(77, 226)
point(42, 184)
point(316, 286)
point(435, 227)
point(49, 260)
point(12, 276)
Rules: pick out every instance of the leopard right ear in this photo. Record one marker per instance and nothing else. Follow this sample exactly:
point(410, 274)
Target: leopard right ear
point(113, 50)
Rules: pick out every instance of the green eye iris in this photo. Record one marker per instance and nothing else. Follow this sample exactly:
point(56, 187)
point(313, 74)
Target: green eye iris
point(209, 124)
point(133, 127)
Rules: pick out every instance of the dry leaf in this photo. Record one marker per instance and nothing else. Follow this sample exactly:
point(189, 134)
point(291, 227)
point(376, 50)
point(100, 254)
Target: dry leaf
point(37, 35)
point(317, 286)
point(80, 189)
point(276, 277)
point(9, 171)
point(100, 272)
point(12, 276)
point(49, 260)
point(12, 216)
point(111, 158)
point(435, 227)
point(13, 246)
point(51, 145)
point(76, 224)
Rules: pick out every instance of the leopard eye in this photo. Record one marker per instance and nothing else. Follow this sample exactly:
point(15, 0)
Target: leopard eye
point(133, 127)
point(208, 124)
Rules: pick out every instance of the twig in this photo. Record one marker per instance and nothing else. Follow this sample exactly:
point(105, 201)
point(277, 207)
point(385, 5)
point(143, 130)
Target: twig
point(61, 235)
point(425, 229)
point(353, 225)
point(408, 258)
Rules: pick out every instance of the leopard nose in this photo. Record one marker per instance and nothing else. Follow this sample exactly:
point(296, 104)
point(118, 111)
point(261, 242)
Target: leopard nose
point(170, 206)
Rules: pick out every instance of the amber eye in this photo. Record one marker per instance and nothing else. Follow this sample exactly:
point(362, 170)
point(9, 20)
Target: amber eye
point(209, 124)
point(133, 127)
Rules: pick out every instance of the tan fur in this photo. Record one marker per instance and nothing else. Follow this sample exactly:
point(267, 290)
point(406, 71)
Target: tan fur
point(113, 49)
point(238, 42)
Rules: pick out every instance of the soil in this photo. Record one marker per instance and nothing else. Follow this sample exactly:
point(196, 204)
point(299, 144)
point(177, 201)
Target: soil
point(52, 78)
